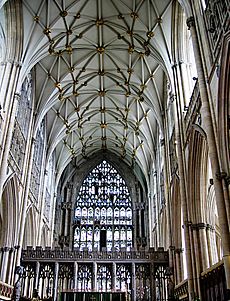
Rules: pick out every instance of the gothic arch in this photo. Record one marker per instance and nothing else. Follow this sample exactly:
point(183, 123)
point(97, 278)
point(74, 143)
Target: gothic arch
point(79, 173)
point(69, 188)
point(9, 210)
point(197, 175)
point(30, 226)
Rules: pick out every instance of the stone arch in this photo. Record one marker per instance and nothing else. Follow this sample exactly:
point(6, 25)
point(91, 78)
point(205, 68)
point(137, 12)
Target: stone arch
point(79, 173)
point(9, 228)
point(30, 226)
point(197, 175)
point(177, 231)
point(9, 211)
point(201, 203)
point(137, 190)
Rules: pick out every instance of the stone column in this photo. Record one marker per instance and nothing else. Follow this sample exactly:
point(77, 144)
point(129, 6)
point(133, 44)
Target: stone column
point(68, 209)
point(72, 216)
point(179, 266)
point(196, 260)
point(214, 246)
point(183, 191)
point(208, 229)
point(114, 276)
point(213, 153)
point(66, 220)
point(75, 275)
point(94, 282)
point(152, 282)
point(138, 207)
point(16, 248)
point(8, 84)
point(55, 288)
point(24, 203)
point(204, 246)
point(1, 256)
point(7, 144)
point(10, 69)
point(10, 265)
point(5, 262)
point(133, 281)
point(167, 172)
point(62, 227)
point(36, 283)
point(172, 261)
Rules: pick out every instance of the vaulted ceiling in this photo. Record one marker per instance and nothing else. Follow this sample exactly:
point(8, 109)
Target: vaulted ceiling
point(100, 69)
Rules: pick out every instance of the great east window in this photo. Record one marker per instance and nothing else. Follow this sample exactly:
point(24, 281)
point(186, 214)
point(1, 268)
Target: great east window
point(103, 211)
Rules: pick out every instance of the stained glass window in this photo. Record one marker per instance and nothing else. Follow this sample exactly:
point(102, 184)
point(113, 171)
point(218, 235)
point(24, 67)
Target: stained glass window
point(103, 211)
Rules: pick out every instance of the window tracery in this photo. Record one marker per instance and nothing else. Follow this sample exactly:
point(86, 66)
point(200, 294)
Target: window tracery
point(103, 211)
point(22, 123)
point(46, 281)
point(65, 276)
point(37, 160)
point(143, 282)
point(104, 278)
point(123, 277)
point(85, 273)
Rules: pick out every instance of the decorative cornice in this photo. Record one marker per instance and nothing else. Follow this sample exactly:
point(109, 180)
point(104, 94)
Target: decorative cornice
point(59, 254)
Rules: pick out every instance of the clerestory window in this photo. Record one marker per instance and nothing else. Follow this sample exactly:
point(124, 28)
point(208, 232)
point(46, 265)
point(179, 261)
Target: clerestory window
point(103, 211)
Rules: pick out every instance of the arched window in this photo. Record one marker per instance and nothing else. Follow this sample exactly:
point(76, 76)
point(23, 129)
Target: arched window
point(103, 211)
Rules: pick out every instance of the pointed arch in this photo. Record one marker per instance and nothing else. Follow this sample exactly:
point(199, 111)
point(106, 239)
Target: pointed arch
point(9, 212)
point(203, 215)
point(30, 226)
point(197, 173)
point(103, 214)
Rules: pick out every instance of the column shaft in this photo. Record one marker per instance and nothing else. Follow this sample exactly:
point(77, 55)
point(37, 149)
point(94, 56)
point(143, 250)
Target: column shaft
point(55, 288)
point(133, 281)
point(213, 153)
point(75, 275)
point(5, 259)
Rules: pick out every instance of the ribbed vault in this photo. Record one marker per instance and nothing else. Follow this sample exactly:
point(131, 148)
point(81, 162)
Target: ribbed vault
point(101, 71)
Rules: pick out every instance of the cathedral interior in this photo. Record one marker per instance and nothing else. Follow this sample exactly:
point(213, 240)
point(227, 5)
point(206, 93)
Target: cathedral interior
point(114, 150)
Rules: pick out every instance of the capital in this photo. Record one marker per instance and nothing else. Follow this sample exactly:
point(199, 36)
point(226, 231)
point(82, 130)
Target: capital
point(190, 22)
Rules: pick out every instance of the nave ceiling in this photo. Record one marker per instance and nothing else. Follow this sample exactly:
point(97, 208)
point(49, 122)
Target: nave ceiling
point(101, 70)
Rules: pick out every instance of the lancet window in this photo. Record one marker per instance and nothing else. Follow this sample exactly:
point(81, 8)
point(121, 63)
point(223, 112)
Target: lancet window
point(103, 211)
